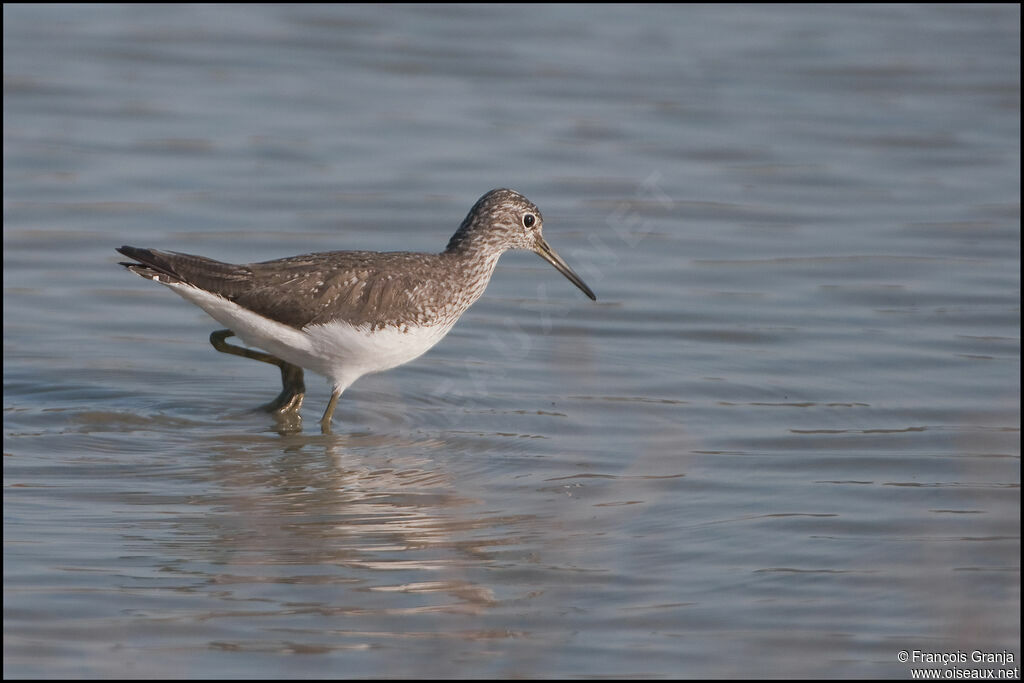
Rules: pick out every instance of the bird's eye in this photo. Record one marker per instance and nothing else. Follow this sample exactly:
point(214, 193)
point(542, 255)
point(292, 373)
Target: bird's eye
point(529, 219)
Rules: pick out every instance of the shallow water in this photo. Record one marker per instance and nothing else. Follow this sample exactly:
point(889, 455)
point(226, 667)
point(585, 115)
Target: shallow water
point(785, 441)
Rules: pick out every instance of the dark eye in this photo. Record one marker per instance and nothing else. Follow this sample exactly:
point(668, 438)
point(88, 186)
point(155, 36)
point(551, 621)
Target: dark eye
point(529, 219)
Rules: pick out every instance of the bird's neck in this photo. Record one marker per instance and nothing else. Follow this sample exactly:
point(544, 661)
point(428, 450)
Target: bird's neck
point(474, 265)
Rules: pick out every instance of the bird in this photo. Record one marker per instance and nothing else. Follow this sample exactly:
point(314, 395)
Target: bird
point(344, 314)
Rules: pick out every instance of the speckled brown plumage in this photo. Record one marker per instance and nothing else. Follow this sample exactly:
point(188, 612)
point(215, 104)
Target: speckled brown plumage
point(342, 296)
point(361, 287)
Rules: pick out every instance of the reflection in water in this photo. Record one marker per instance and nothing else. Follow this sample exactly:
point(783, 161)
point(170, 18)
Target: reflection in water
point(385, 527)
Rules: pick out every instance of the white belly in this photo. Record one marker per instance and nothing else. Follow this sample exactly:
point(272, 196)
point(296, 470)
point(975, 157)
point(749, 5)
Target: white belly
point(337, 350)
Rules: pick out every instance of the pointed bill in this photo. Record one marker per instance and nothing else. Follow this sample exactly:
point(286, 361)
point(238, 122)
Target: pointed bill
point(544, 250)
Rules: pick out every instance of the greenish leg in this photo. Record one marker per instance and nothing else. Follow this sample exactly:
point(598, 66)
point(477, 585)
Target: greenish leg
point(325, 421)
point(293, 388)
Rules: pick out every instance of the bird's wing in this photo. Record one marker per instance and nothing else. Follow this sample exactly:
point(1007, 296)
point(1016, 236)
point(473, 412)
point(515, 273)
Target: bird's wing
point(358, 287)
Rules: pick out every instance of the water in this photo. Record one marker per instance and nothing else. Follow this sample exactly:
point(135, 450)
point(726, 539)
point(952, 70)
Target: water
point(785, 441)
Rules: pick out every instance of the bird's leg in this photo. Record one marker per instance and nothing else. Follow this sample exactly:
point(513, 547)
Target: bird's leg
point(325, 421)
point(293, 388)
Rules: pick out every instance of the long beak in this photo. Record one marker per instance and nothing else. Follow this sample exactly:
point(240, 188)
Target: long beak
point(545, 251)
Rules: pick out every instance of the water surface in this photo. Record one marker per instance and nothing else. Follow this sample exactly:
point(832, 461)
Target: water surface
point(783, 442)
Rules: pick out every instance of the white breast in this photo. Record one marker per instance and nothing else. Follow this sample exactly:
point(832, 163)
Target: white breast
point(346, 349)
point(337, 350)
